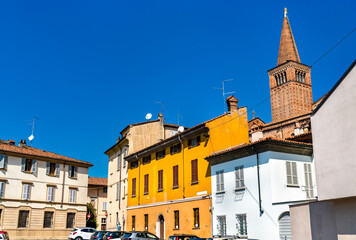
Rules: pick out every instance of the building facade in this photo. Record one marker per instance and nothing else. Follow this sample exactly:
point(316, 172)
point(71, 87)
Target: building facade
point(43, 194)
point(169, 187)
point(133, 138)
point(97, 196)
point(253, 185)
point(334, 134)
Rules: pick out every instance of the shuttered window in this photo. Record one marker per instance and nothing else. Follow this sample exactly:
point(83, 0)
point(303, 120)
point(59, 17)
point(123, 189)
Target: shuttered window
point(292, 175)
point(160, 180)
point(161, 154)
point(133, 194)
point(117, 191)
point(72, 193)
point(3, 161)
point(146, 159)
point(29, 165)
point(194, 171)
point(52, 169)
point(220, 181)
point(104, 206)
point(118, 162)
point(241, 224)
point(176, 148)
point(221, 225)
point(2, 190)
point(308, 180)
point(50, 194)
point(26, 192)
point(239, 177)
point(175, 176)
point(72, 171)
point(145, 189)
point(194, 142)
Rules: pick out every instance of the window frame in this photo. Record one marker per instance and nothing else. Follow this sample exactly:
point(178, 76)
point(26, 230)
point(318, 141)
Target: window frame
point(196, 218)
point(176, 149)
point(73, 220)
point(146, 221)
point(51, 219)
point(221, 227)
point(27, 192)
point(194, 142)
point(133, 188)
point(2, 189)
point(27, 220)
point(134, 164)
point(146, 159)
point(146, 184)
point(220, 186)
point(74, 190)
point(48, 192)
point(160, 181)
point(160, 154)
point(175, 176)
point(133, 222)
point(239, 178)
point(3, 161)
point(292, 177)
point(176, 219)
point(72, 171)
point(194, 172)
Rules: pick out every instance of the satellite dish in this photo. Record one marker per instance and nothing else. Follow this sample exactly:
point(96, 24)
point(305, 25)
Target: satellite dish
point(181, 129)
point(148, 116)
point(31, 137)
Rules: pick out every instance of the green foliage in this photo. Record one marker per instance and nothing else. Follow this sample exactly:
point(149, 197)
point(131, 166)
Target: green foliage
point(92, 222)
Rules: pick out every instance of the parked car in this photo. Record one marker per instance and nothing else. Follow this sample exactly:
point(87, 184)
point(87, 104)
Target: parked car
point(113, 235)
point(182, 236)
point(4, 235)
point(98, 235)
point(139, 236)
point(83, 233)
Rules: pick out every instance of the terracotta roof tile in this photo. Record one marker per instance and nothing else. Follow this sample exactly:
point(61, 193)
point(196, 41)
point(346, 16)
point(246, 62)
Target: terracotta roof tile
point(35, 152)
point(97, 181)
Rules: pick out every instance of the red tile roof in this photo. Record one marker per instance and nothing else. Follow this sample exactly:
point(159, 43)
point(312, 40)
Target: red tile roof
point(97, 181)
point(253, 143)
point(35, 152)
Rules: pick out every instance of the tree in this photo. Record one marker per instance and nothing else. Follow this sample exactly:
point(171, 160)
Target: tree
point(91, 222)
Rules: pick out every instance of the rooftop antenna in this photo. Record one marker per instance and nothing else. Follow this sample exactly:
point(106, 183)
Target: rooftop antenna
point(223, 90)
point(33, 129)
point(162, 107)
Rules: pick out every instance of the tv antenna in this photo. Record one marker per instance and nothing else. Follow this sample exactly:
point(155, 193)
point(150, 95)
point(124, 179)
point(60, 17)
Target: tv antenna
point(33, 129)
point(162, 107)
point(223, 90)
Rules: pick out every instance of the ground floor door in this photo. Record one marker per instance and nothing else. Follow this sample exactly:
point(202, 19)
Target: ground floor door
point(285, 232)
point(161, 227)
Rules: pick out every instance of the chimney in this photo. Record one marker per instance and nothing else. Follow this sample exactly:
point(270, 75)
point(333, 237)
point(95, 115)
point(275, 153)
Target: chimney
point(12, 142)
point(22, 143)
point(160, 117)
point(232, 103)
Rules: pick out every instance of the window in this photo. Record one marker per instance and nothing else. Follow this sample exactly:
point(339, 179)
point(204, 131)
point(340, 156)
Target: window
point(161, 154)
point(23, 219)
point(70, 220)
point(292, 178)
point(117, 191)
point(123, 160)
point(48, 220)
point(72, 193)
point(2, 189)
point(176, 148)
point(117, 218)
point(145, 190)
point(146, 159)
point(175, 177)
point(52, 169)
point(50, 194)
point(104, 206)
point(196, 217)
point(239, 177)
point(220, 181)
point(241, 225)
point(308, 180)
point(134, 164)
point(72, 171)
point(133, 222)
point(133, 194)
point(194, 142)
point(194, 171)
point(105, 189)
point(221, 225)
point(176, 219)
point(146, 222)
point(118, 162)
point(28, 165)
point(3, 161)
point(160, 180)
point(103, 220)
point(26, 191)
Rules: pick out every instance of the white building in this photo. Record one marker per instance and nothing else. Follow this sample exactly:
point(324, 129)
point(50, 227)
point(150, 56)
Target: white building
point(43, 195)
point(253, 185)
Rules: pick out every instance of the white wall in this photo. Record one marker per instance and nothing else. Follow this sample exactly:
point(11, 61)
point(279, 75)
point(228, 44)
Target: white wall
point(274, 193)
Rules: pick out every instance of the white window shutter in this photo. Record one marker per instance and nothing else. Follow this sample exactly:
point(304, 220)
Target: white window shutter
point(294, 172)
point(23, 163)
point(48, 164)
point(242, 182)
point(222, 181)
point(2, 187)
point(218, 182)
point(34, 166)
point(57, 169)
point(24, 192)
point(289, 173)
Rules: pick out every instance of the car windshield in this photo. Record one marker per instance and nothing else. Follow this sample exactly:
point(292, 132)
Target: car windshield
point(127, 235)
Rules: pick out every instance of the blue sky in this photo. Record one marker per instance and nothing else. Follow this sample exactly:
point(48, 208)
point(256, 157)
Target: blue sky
point(87, 69)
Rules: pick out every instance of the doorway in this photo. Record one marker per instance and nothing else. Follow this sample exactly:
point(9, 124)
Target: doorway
point(160, 227)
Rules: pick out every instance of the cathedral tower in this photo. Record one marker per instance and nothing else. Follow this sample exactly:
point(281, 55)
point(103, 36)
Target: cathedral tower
point(290, 81)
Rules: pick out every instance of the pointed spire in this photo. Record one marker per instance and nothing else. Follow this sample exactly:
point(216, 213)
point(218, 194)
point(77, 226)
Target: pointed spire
point(287, 47)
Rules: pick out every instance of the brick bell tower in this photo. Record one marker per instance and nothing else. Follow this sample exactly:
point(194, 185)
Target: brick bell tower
point(290, 81)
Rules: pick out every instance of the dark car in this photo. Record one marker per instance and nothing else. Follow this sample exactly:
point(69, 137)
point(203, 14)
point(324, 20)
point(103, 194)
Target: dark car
point(182, 236)
point(137, 235)
point(113, 235)
point(98, 235)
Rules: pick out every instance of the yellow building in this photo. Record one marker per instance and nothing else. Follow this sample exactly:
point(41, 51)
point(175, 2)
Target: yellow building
point(169, 185)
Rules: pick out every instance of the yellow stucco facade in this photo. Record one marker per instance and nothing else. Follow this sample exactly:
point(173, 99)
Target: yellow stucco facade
point(164, 204)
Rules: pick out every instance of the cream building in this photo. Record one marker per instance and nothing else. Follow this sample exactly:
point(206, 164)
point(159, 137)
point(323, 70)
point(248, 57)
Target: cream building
point(97, 196)
point(133, 138)
point(42, 194)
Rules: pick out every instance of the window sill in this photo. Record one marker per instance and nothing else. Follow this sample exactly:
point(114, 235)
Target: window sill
point(174, 229)
point(74, 178)
point(194, 183)
point(5, 169)
point(146, 193)
point(292, 186)
point(172, 153)
point(240, 189)
point(133, 196)
point(196, 228)
point(160, 190)
point(175, 187)
point(193, 146)
point(28, 172)
point(159, 158)
point(52, 175)
point(220, 192)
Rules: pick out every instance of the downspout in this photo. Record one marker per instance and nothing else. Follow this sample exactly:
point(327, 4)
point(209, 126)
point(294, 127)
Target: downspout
point(180, 140)
point(64, 177)
point(258, 181)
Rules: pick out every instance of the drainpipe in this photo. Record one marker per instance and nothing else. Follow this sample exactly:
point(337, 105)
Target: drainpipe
point(180, 140)
point(258, 181)
point(64, 177)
